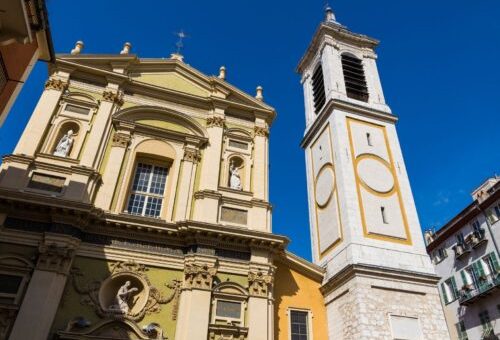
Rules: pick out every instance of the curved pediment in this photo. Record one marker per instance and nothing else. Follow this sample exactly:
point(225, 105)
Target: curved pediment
point(162, 118)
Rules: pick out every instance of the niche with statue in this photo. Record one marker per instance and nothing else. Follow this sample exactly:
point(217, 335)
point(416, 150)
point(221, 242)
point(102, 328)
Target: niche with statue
point(65, 140)
point(236, 171)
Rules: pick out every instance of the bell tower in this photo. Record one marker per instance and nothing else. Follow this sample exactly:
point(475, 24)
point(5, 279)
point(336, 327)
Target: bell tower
point(365, 232)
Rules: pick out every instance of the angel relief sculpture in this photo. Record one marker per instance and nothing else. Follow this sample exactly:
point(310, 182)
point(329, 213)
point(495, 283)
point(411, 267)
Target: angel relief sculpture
point(123, 297)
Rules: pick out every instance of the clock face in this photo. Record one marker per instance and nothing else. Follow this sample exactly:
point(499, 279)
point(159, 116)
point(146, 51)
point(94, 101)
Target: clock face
point(325, 184)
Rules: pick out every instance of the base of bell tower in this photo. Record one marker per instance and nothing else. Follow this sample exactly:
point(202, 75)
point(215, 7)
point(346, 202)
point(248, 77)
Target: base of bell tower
point(369, 302)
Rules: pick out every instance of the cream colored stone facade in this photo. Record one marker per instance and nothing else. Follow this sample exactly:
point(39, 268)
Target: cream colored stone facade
point(379, 282)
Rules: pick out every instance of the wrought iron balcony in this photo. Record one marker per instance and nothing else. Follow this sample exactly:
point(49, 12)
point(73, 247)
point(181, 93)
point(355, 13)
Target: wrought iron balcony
point(478, 238)
point(461, 250)
point(487, 285)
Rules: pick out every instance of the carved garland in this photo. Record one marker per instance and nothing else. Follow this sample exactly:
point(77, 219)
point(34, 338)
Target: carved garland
point(261, 131)
point(111, 96)
point(155, 298)
point(215, 121)
point(55, 84)
point(259, 283)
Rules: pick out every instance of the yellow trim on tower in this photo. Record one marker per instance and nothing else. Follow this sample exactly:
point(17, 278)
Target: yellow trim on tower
point(334, 191)
point(360, 183)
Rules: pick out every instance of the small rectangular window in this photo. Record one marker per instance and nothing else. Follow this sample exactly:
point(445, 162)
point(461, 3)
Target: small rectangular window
point(228, 309)
point(484, 317)
point(9, 288)
point(148, 187)
point(462, 331)
point(384, 217)
point(299, 325)
point(77, 109)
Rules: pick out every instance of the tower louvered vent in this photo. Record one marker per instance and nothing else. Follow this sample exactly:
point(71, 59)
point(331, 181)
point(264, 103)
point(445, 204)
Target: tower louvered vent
point(318, 86)
point(354, 76)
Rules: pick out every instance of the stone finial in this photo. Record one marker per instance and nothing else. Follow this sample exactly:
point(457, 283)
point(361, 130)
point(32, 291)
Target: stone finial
point(126, 48)
point(177, 56)
point(329, 15)
point(222, 73)
point(259, 95)
point(78, 47)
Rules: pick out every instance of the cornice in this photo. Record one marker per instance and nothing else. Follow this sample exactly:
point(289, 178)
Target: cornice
point(378, 272)
point(334, 103)
point(338, 32)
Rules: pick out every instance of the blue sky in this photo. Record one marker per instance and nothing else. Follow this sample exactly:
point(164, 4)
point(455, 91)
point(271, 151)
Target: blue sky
point(437, 60)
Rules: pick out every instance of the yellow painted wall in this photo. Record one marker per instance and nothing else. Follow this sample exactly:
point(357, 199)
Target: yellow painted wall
point(295, 290)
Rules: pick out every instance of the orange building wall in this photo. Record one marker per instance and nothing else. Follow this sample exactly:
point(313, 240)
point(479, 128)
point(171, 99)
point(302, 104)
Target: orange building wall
point(295, 290)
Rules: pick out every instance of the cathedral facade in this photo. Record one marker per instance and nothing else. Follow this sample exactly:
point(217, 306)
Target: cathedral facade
point(136, 206)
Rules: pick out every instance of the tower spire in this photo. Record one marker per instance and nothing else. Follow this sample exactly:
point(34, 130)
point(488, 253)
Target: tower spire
point(329, 14)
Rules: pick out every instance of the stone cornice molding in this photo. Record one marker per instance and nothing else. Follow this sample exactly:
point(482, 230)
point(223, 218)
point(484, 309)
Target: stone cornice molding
point(378, 272)
point(333, 104)
point(55, 84)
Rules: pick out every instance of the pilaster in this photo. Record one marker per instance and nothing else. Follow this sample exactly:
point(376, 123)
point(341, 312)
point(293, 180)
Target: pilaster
point(186, 182)
point(260, 303)
point(120, 142)
point(42, 298)
point(40, 119)
point(260, 168)
point(195, 300)
point(112, 98)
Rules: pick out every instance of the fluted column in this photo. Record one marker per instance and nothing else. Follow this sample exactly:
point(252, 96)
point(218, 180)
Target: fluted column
point(101, 127)
point(186, 183)
point(43, 296)
point(120, 143)
point(40, 119)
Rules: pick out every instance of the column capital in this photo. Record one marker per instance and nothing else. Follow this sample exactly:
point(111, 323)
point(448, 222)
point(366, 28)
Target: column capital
point(215, 121)
point(121, 139)
point(192, 155)
point(260, 282)
point(56, 253)
point(55, 84)
point(199, 274)
point(261, 131)
point(115, 97)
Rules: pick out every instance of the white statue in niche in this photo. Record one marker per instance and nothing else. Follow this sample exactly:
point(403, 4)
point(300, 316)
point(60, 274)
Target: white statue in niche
point(122, 298)
point(234, 180)
point(64, 146)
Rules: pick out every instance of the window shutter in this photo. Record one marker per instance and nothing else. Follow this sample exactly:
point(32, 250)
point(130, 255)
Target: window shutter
point(454, 288)
point(494, 261)
point(464, 279)
point(479, 271)
point(445, 296)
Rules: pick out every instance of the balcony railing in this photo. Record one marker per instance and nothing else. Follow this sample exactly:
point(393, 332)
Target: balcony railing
point(478, 238)
point(485, 286)
point(461, 249)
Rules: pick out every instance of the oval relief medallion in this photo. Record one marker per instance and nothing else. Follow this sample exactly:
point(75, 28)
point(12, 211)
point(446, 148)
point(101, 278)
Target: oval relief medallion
point(325, 184)
point(376, 175)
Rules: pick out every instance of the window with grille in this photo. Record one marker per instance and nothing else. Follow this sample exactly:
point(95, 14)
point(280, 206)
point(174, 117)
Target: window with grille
point(462, 331)
point(299, 325)
point(354, 77)
point(146, 197)
point(484, 317)
point(318, 87)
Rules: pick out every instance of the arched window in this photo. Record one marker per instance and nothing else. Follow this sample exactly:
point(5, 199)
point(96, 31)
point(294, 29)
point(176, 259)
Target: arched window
point(318, 87)
point(354, 77)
